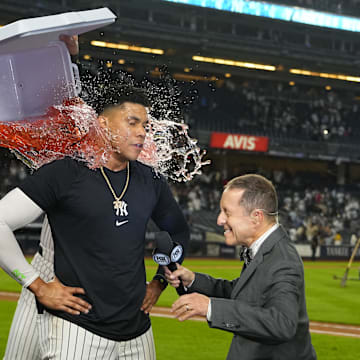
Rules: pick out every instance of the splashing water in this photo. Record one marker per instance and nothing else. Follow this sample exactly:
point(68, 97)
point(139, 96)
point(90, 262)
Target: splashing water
point(170, 151)
point(168, 148)
point(71, 129)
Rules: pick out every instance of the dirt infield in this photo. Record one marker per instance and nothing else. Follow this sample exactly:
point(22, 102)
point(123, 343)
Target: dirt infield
point(315, 327)
point(307, 265)
point(9, 296)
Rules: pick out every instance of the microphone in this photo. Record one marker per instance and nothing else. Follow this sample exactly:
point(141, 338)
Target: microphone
point(167, 252)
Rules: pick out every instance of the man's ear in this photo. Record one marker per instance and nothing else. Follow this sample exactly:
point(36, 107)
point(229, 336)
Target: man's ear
point(257, 216)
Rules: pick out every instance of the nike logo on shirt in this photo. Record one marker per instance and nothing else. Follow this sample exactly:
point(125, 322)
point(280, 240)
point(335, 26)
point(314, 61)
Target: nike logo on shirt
point(119, 223)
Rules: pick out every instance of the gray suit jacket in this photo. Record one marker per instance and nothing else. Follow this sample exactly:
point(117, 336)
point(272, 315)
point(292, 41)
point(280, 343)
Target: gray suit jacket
point(265, 307)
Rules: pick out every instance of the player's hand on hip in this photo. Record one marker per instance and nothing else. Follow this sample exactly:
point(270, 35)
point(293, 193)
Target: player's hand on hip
point(153, 290)
point(71, 42)
point(56, 296)
point(190, 305)
point(181, 274)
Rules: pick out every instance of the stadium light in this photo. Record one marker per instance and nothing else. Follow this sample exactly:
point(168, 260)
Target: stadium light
point(188, 77)
point(185, 76)
point(280, 12)
point(127, 47)
point(325, 75)
point(228, 62)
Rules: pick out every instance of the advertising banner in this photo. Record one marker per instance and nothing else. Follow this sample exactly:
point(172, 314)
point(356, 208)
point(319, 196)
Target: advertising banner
point(239, 142)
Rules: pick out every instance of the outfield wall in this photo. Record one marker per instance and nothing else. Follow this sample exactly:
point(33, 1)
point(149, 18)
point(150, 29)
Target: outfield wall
point(205, 244)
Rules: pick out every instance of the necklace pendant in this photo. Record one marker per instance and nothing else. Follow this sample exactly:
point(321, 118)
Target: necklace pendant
point(117, 204)
point(120, 208)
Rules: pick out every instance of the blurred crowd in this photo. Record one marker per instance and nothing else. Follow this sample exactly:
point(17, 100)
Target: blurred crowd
point(12, 172)
point(312, 212)
point(273, 109)
point(276, 110)
point(322, 216)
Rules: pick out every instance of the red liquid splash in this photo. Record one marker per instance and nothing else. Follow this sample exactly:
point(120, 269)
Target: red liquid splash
point(70, 129)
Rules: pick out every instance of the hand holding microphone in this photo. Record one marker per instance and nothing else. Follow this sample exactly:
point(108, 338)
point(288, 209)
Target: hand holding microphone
point(168, 253)
point(180, 276)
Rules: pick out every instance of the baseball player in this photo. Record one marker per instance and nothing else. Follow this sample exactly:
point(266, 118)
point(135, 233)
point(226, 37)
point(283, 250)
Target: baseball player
point(98, 304)
point(23, 340)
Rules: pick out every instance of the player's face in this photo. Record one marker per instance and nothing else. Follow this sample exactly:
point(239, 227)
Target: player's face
point(126, 125)
point(237, 223)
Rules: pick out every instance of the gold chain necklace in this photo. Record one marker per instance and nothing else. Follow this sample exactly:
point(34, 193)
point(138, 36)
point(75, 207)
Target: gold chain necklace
point(119, 206)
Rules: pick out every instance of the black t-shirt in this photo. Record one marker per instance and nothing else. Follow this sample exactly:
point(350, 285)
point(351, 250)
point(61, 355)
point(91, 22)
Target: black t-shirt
point(98, 250)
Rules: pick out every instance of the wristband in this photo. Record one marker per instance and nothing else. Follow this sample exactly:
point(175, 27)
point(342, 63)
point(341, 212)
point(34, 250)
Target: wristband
point(161, 279)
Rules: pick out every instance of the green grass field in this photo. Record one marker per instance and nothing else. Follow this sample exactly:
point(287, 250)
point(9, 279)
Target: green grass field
point(326, 301)
point(196, 341)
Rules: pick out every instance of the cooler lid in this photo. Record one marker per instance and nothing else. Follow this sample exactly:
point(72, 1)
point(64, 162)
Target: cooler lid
point(36, 32)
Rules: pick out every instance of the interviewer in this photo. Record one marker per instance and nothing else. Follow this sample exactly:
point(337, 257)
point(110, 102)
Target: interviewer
point(265, 307)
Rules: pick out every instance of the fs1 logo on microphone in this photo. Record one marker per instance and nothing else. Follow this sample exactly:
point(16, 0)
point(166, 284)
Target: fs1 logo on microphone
point(176, 253)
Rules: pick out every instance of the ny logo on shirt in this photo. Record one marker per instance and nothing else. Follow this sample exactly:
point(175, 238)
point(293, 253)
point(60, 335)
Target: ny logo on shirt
point(121, 208)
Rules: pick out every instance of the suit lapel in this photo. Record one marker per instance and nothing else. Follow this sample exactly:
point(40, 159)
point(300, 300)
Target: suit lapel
point(246, 274)
point(258, 259)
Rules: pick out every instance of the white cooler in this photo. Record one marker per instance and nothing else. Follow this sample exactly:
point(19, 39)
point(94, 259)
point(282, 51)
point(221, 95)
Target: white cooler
point(35, 66)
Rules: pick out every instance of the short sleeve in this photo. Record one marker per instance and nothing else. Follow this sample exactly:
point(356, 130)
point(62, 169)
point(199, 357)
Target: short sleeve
point(166, 202)
point(168, 216)
point(47, 185)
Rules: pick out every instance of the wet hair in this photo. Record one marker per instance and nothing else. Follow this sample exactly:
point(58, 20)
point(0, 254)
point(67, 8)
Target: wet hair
point(259, 193)
point(114, 96)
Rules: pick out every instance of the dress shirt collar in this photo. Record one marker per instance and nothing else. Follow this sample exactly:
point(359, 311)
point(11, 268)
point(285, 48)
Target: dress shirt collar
point(255, 246)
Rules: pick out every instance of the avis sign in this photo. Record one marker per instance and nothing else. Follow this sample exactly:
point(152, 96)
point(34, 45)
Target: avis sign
point(239, 142)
